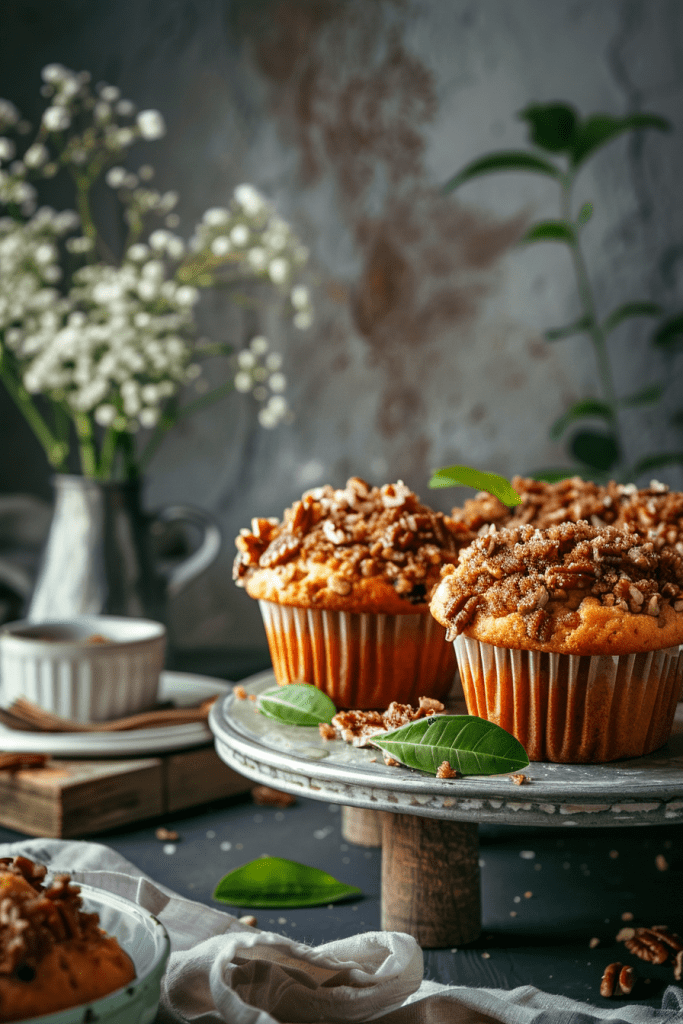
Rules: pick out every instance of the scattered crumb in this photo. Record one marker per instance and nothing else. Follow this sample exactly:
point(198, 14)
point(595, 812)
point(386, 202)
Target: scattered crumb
point(517, 899)
point(513, 913)
point(527, 854)
point(625, 934)
point(519, 779)
point(444, 771)
point(627, 916)
point(169, 848)
point(528, 894)
point(327, 731)
point(251, 696)
point(537, 867)
point(225, 846)
point(614, 854)
point(166, 834)
point(485, 956)
point(264, 796)
point(594, 943)
point(240, 693)
point(661, 862)
point(210, 834)
point(678, 966)
point(391, 761)
point(372, 759)
point(282, 920)
point(250, 920)
point(647, 981)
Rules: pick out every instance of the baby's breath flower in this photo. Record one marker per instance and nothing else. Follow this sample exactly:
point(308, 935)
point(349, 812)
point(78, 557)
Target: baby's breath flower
point(124, 108)
point(216, 217)
point(250, 199)
point(7, 149)
point(138, 252)
point(257, 257)
point(36, 155)
point(273, 361)
point(151, 124)
point(302, 320)
point(300, 296)
point(221, 246)
point(259, 345)
point(239, 235)
point(146, 172)
point(243, 381)
point(278, 270)
point(277, 382)
point(56, 119)
point(246, 360)
point(105, 415)
point(110, 93)
point(9, 115)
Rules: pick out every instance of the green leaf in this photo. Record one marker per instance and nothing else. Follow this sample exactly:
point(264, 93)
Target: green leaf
point(596, 449)
point(670, 333)
point(584, 323)
point(630, 309)
point(579, 411)
point(657, 462)
point(585, 213)
point(552, 476)
point(647, 396)
point(471, 745)
point(509, 160)
point(272, 882)
point(602, 128)
point(464, 476)
point(551, 126)
point(297, 704)
point(550, 231)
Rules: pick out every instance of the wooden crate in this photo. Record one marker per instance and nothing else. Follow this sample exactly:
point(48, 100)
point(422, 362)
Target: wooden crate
point(68, 799)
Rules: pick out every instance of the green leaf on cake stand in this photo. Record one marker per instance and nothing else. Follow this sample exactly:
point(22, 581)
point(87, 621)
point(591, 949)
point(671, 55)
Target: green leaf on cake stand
point(297, 704)
point(471, 745)
point(272, 882)
point(465, 476)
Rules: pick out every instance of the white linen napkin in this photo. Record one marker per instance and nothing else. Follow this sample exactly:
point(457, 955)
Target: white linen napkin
point(221, 971)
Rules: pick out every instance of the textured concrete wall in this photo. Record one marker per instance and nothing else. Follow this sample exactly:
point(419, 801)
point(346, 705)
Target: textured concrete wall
point(427, 347)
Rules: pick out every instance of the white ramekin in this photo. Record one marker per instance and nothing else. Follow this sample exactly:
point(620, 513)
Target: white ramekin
point(52, 665)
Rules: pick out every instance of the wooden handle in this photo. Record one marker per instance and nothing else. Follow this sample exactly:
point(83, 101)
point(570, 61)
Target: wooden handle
point(430, 879)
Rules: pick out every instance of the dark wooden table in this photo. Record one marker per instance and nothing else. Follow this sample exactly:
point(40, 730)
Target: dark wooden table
point(546, 892)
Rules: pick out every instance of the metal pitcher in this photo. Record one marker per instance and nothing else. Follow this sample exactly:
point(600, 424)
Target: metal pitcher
point(98, 558)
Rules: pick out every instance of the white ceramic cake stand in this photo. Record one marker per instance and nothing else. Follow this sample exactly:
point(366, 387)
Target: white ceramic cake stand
point(429, 838)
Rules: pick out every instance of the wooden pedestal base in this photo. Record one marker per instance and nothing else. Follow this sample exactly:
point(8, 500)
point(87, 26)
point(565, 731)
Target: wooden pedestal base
point(361, 826)
point(430, 879)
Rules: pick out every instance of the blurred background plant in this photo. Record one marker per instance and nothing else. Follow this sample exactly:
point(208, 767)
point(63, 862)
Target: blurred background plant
point(557, 129)
point(99, 345)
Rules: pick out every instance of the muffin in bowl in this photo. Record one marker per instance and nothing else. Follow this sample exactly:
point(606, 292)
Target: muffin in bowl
point(343, 582)
point(568, 637)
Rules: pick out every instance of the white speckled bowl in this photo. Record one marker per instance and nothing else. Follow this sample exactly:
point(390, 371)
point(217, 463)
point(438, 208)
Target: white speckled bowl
point(53, 665)
point(146, 941)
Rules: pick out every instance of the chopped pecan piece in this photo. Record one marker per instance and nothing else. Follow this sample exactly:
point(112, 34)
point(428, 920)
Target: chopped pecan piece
point(444, 771)
point(519, 779)
point(328, 732)
point(265, 796)
point(609, 983)
point(649, 945)
point(678, 966)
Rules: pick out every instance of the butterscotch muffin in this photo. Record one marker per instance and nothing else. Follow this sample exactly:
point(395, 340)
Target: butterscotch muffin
point(343, 582)
point(568, 637)
point(52, 955)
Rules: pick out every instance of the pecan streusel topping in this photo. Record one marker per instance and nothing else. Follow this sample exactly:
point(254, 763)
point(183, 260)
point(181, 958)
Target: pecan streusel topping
point(655, 511)
point(33, 916)
point(359, 532)
point(545, 574)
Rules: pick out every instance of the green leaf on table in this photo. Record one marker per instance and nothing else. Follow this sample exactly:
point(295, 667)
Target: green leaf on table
point(272, 882)
point(647, 396)
point(584, 323)
point(596, 449)
point(296, 704)
point(549, 231)
point(471, 745)
point(552, 126)
point(507, 160)
point(598, 129)
point(465, 476)
point(579, 411)
point(630, 309)
point(670, 333)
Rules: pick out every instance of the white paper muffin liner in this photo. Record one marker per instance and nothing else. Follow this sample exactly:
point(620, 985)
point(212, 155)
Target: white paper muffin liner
point(360, 660)
point(573, 709)
point(88, 683)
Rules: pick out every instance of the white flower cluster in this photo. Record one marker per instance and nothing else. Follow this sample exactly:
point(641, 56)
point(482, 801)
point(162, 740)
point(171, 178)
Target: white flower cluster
point(259, 372)
point(250, 241)
point(30, 265)
point(117, 346)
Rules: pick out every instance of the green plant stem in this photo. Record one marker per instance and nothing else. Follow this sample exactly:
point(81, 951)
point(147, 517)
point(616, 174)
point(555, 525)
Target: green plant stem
point(108, 451)
point(587, 298)
point(86, 444)
point(126, 445)
point(55, 450)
